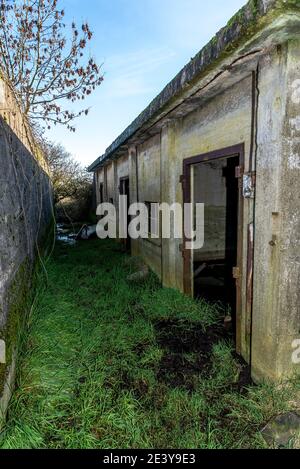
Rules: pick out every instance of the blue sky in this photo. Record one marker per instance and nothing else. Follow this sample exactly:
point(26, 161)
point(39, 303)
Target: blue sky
point(142, 44)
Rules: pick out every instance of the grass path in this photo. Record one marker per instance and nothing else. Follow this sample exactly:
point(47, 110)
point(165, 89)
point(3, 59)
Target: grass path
point(109, 364)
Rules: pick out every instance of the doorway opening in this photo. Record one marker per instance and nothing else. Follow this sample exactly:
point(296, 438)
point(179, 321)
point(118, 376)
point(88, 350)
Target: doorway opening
point(125, 190)
point(213, 272)
point(101, 192)
point(216, 186)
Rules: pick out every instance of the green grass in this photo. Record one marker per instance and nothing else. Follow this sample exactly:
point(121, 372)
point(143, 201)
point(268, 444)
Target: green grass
point(90, 369)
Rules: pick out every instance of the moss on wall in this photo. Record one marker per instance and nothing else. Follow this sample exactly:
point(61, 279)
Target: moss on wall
point(20, 297)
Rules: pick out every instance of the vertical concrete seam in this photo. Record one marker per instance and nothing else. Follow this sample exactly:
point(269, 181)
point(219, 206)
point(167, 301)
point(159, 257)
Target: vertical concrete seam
point(161, 193)
point(252, 167)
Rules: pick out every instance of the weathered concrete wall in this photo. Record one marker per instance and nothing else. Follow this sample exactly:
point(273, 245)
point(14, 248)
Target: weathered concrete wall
point(224, 120)
point(25, 218)
point(149, 188)
point(122, 168)
point(133, 188)
point(110, 183)
point(156, 165)
point(276, 304)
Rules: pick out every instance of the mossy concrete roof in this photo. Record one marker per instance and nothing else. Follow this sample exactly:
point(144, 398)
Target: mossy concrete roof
point(254, 17)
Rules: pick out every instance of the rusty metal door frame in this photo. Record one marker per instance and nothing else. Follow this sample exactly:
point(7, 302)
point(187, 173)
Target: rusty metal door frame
point(236, 150)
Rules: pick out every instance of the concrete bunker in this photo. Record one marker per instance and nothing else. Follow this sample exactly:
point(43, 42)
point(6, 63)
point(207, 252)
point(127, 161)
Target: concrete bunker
point(225, 131)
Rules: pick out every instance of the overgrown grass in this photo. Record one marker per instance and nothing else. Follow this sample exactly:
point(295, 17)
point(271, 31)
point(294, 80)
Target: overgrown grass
point(90, 374)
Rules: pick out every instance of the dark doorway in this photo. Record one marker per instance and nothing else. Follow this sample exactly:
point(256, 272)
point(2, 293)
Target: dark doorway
point(125, 190)
point(216, 186)
point(212, 272)
point(101, 193)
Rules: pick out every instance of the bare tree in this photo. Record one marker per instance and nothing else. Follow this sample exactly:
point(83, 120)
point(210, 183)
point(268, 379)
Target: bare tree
point(45, 66)
point(68, 177)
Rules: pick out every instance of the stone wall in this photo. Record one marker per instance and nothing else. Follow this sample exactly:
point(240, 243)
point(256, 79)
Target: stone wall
point(25, 225)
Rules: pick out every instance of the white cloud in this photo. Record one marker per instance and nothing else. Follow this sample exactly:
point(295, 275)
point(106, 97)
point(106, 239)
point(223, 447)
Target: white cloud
point(132, 74)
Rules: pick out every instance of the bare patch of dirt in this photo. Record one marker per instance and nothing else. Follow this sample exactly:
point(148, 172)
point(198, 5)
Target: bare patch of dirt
point(187, 351)
point(187, 356)
point(180, 336)
point(179, 371)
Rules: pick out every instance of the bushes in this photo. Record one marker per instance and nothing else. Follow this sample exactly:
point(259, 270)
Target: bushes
point(72, 185)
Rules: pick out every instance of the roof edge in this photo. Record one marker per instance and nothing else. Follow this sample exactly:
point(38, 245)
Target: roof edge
point(249, 20)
